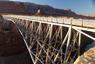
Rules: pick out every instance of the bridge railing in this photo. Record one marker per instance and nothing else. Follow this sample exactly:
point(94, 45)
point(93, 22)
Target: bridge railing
point(77, 22)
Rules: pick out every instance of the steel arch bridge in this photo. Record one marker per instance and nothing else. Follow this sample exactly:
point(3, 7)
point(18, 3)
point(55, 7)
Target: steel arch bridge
point(51, 40)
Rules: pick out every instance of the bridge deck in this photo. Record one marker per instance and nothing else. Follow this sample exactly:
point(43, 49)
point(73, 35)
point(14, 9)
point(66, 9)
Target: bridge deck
point(68, 21)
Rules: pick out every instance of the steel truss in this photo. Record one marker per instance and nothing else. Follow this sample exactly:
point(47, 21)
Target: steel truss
point(51, 43)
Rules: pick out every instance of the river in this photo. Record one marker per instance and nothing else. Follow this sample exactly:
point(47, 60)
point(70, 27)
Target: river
point(89, 46)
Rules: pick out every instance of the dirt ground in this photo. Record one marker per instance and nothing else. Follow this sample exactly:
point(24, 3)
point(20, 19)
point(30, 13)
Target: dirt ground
point(22, 58)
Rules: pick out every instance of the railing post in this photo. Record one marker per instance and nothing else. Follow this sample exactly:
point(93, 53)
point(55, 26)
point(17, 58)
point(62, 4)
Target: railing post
point(82, 22)
point(71, 22)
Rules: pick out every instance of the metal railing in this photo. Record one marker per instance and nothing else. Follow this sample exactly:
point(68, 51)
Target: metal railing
point(77, 22)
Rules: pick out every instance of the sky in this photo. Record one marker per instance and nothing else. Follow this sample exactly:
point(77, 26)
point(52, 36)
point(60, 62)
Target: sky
point(77, 6)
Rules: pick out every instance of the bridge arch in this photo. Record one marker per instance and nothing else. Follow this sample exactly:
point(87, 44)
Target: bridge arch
point(47, 42)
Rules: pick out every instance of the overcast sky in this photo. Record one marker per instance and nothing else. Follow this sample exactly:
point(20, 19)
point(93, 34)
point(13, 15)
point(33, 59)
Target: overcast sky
point(78, 6)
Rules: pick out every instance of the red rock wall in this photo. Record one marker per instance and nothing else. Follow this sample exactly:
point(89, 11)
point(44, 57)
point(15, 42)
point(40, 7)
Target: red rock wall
point(11, 41)
point(1, 25)
point(12, 8)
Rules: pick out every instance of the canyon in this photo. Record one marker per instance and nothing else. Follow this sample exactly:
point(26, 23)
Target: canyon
point(47, 10)
point(11, 39)
point(25, 8)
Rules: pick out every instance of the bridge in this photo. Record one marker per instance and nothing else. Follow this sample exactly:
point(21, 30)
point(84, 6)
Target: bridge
point(51, 40)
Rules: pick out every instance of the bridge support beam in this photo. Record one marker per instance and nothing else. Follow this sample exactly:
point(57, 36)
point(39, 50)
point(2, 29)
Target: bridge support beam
point(45, 41)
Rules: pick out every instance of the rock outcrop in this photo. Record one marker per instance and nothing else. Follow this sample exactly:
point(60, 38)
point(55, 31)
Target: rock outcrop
point(12, 8)
point(11, 41)
point(44, 13)
point(39, 12)
point(87, 58)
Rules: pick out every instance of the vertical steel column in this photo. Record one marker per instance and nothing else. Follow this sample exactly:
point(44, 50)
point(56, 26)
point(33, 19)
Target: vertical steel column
point(79, 44)
point(68, 43)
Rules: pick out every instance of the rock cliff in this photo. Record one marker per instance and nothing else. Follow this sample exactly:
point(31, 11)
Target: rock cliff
point(12, 8)
point(87, 58)
point(33, 8)
point(50, 11)
point(11, 41)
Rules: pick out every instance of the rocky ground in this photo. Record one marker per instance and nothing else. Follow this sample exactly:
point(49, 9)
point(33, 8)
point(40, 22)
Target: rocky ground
point(11, 42)
point(87, 58)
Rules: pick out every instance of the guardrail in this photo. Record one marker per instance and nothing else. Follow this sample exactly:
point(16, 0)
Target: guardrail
point(77, 22)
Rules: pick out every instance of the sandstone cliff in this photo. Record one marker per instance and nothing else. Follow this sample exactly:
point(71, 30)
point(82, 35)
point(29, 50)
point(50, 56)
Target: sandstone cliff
point(50, 11)
point(44, 13)
point(33, 8)
point(11, 41)
point(13, 8)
